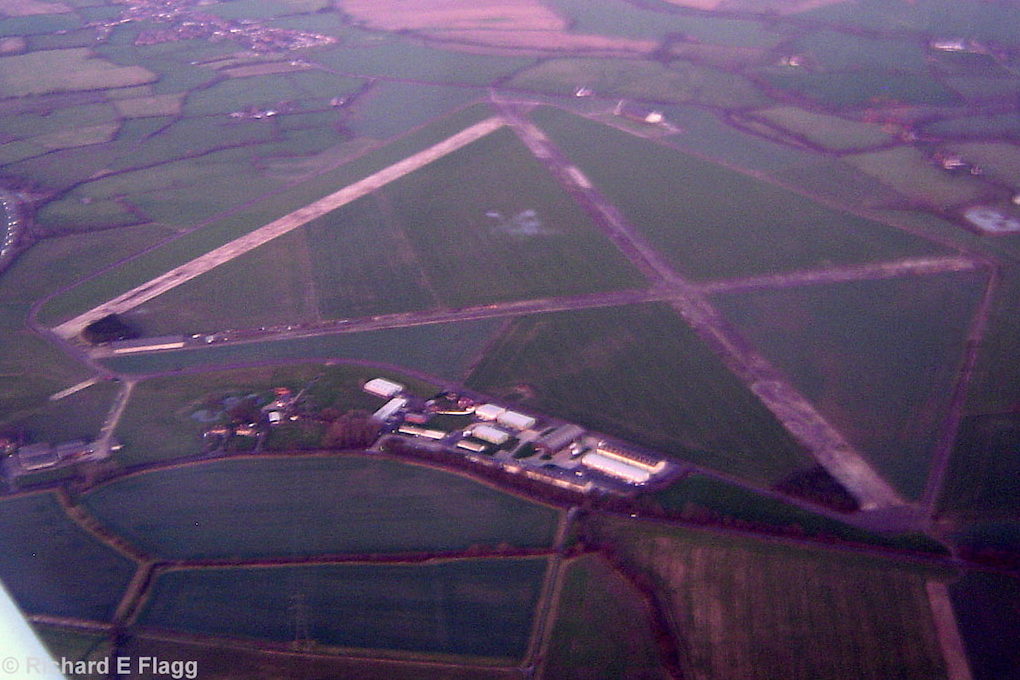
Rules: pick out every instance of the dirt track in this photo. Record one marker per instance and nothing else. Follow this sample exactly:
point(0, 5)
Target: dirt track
point(202, 264)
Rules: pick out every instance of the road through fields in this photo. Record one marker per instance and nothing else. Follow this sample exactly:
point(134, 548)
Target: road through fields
point(202, 264)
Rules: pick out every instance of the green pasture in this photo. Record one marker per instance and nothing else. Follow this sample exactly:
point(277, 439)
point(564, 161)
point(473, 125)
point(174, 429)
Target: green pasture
point(753, 609)
point(39, 24)
point(829, 50)
point(242, 220)
point(49, 71)
point(830, 132)
point(601, 629)
point(362, 263)
point(977, 126)
point(999, 22)
point(417, 103)
point(402, 60)
point(878, 359)
point(983, 480)
point(463, 223)
point(909, 171)
point(713, 222)
point(639, 373)
point(302, 89)
point(266, 286)
point(679, 82)
point(477, 608)
point(446, 350)
point(52, 566)
point(310, 505)
point(840, 89)
point(641, 21)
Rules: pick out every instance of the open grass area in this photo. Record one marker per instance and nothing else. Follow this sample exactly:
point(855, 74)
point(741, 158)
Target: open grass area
point(483, 224)
point(844, 89)
point(49, 71)
point(749, 609)
point(51, 566)
point(309, 505)
point(602, 627)
point(909, 171)
point(264, 287)
point(676, 83)
point(879, 359)
point(641, 374)
point(245, 218)
point(713, 222)
point(983, 480)
point(445, 350)
point(830, 132)
point(477, 608)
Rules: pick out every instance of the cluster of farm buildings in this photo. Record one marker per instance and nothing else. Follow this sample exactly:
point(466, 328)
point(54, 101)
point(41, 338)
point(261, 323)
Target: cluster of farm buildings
point(556, 452)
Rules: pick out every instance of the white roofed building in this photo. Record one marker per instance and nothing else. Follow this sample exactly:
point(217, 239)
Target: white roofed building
point(515, 420)
point(489, 411)
point(614, 467)
point(381, 387)
point(491, 434)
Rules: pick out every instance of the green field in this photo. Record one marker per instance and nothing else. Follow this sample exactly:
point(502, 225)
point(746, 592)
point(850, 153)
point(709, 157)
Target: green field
point(909, 171)
point(446, 350)
point(52, 566)
point(846, 89)
point(309, 505)
point(830, 132)
point(460, 228)
point(477, 608)
point(983, 479)
point(879, 359)
point(602, 628)
point(49, 71)
point(266, 286)
point(674, 200)
point(749, 609)
point(244, 219)
point(676, 83)
point(639, 373)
